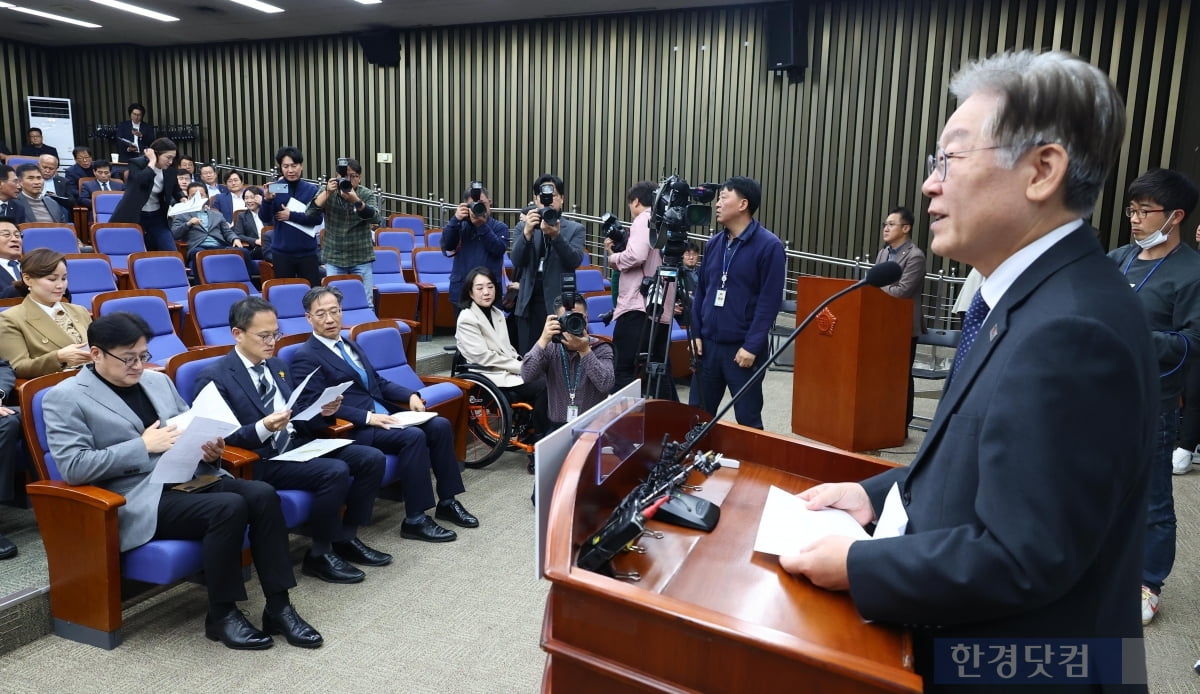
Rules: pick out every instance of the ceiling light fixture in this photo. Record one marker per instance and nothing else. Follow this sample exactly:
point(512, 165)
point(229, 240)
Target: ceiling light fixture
point(149, 14)
point(260, 6)
point(47, 15)
point(369, 2)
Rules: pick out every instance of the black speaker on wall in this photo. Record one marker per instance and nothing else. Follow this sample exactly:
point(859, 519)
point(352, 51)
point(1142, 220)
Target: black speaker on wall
point(787, 37)
point(380, 46)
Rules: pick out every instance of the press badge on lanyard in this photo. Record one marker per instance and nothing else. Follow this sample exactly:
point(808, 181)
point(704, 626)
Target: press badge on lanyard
point(730, 251)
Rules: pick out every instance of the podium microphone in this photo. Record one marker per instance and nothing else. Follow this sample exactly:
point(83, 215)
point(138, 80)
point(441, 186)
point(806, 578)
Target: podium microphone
point(881, 275)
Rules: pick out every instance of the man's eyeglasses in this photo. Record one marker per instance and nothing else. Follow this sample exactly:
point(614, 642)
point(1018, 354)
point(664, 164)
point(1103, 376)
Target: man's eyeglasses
point(130, 362)
point(939, 161)
point(10, 234)
point(331, 313)
point(1139, 212)
point(268, 338)
point(889, 225)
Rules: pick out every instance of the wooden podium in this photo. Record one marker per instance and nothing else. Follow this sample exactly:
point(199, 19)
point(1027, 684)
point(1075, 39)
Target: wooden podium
point(850, 378)
point(709, 614)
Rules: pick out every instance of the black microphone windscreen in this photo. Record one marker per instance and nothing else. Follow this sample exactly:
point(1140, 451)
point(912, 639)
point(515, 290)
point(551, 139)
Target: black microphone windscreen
point(883, 274)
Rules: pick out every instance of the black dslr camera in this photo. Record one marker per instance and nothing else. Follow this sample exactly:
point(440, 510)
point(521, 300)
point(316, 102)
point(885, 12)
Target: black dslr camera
point(477, 207)
point(572, 321)
point(611, 226)
point(548, 214)
point(343, 172)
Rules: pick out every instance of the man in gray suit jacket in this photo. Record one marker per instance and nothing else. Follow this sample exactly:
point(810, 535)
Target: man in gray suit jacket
point(206, 229)
point(106, 427)
point(35, 204)
point(899, 248)
point(544, 252)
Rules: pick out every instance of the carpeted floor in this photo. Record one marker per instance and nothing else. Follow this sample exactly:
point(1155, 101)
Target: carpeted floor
point(463, 617)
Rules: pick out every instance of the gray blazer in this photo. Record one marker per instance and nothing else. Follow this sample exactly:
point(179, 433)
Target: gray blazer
point(562, 255)
point(911, 282)
point(96, 439)
point(57, 211)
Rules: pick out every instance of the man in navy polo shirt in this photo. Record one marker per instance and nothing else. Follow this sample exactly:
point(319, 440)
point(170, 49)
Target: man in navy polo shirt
point(737, 300)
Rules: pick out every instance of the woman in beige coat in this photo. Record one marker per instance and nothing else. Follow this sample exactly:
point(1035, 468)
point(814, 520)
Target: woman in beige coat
point(44, 334)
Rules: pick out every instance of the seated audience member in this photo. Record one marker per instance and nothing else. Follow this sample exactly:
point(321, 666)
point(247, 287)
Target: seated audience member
point(37, 206)
point(188, 165)
point(10, 434)
point(10, 257)
point(44, 334)
point(229, 200)
point(151, 187)
point(82, 168)
point(578, 370)
point(208, 176)
point(105, 427)
point(205, 230)
point(10, 192)
point(483, 339)
point(102, 171)
point(53, 182)
point(37, 147)
point(255, 384)
point(184, 179)
point(247, 226)
point(368, 404)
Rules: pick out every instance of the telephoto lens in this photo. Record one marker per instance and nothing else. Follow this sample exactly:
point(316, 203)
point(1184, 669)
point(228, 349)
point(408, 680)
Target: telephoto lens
point(479, 209)
point(345, 185)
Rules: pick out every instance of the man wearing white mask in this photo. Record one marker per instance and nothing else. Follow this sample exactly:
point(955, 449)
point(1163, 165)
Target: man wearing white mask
point(1166, 276)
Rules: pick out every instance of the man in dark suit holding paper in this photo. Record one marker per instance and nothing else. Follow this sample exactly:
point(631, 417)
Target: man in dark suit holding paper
point(368, 404)
point(105, 427)
point(256, 387)
point(1027, 502)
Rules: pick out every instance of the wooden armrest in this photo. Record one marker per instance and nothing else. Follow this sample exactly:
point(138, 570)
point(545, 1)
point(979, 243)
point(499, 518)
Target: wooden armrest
point(87, 494)
point(236, 458)
point(339, 429)
point(430, 380)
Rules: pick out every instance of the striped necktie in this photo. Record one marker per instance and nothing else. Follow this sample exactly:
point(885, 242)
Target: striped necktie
point(266, 395)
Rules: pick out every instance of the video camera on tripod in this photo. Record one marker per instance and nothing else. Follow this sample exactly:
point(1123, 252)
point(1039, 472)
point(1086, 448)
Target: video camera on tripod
point(674, 212)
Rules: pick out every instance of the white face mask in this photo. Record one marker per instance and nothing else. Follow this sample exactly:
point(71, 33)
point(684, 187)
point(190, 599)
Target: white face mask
point(1157, 238)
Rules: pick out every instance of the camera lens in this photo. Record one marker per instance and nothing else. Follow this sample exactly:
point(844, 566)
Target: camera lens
point(551, 216)
point(479, 209)
point(345, 185)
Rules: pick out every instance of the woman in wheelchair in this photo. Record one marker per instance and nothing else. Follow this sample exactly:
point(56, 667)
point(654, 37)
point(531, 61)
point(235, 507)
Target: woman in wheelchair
point(482, 337)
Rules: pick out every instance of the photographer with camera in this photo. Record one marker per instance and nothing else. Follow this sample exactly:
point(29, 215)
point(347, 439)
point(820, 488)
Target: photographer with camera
point(737, 301)
point(578, 369)
point(473, 238)
point(638, 264)
point(350, 210)
point(547, 247)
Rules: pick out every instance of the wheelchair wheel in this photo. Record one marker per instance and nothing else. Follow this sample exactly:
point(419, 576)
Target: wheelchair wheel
point(489, 421)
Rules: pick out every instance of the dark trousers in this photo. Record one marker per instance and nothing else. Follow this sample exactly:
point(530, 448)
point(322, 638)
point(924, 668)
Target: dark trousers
point(419, 450)
point(218, 517)
point(912, 382)
point(1189, 429)
point(534, 394)
point(719, 371)
point(306, 267)
point(531, 325)
point(1160, 516)
point(631, 333)
point(157, 233)
point(10, 453)
point(350, 475)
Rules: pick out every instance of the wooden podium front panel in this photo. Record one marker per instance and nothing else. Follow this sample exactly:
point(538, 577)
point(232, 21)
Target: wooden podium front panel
point(710, 614)
point(849, 386)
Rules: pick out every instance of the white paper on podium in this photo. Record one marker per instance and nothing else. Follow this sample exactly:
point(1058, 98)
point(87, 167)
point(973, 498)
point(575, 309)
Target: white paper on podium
point(192, 204)
point(329, 395)
point(179, 463)
point(298, 390)
point(313, 449)
point(787, 526)
point(410, 419)
point(209, 402)
point(294, 205)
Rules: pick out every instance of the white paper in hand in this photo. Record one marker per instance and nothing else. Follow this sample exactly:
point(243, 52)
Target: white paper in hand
point(294, 205)
point(179, 463)
point(409, 419)
point(299, 389)
point(893, 521)
point(327, 396)
point(787, 526)
point(192, 204)
point(208, 403)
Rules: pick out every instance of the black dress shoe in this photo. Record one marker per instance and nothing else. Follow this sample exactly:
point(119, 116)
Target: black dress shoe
point(293, 627)
point(331, 569)
point(359, 553)
point(426, 531)
point(236, 632)
point(7, 549)
point(454, 512)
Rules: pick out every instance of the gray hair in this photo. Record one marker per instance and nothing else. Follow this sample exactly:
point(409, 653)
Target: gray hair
point(314, 295)
point(1046, 98)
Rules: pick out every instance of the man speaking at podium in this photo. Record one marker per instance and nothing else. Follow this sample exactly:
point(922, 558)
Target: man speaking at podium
point(1026, 503)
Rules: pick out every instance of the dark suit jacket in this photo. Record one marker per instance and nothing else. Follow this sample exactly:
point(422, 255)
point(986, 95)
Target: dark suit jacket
point(562, 255)
point(139, 183)
point(223, 202)
point(245, 229)
point(28, 150)
point(85, 194)
point(59, 186)
point(912, 280)
point(241, 393)
point(1027, 501)
point(357, 401)
point(74, 173)
point(125, 130)
point(60, 214)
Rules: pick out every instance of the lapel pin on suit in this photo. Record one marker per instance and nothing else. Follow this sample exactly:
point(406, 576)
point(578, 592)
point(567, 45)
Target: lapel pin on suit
point(993, 333)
